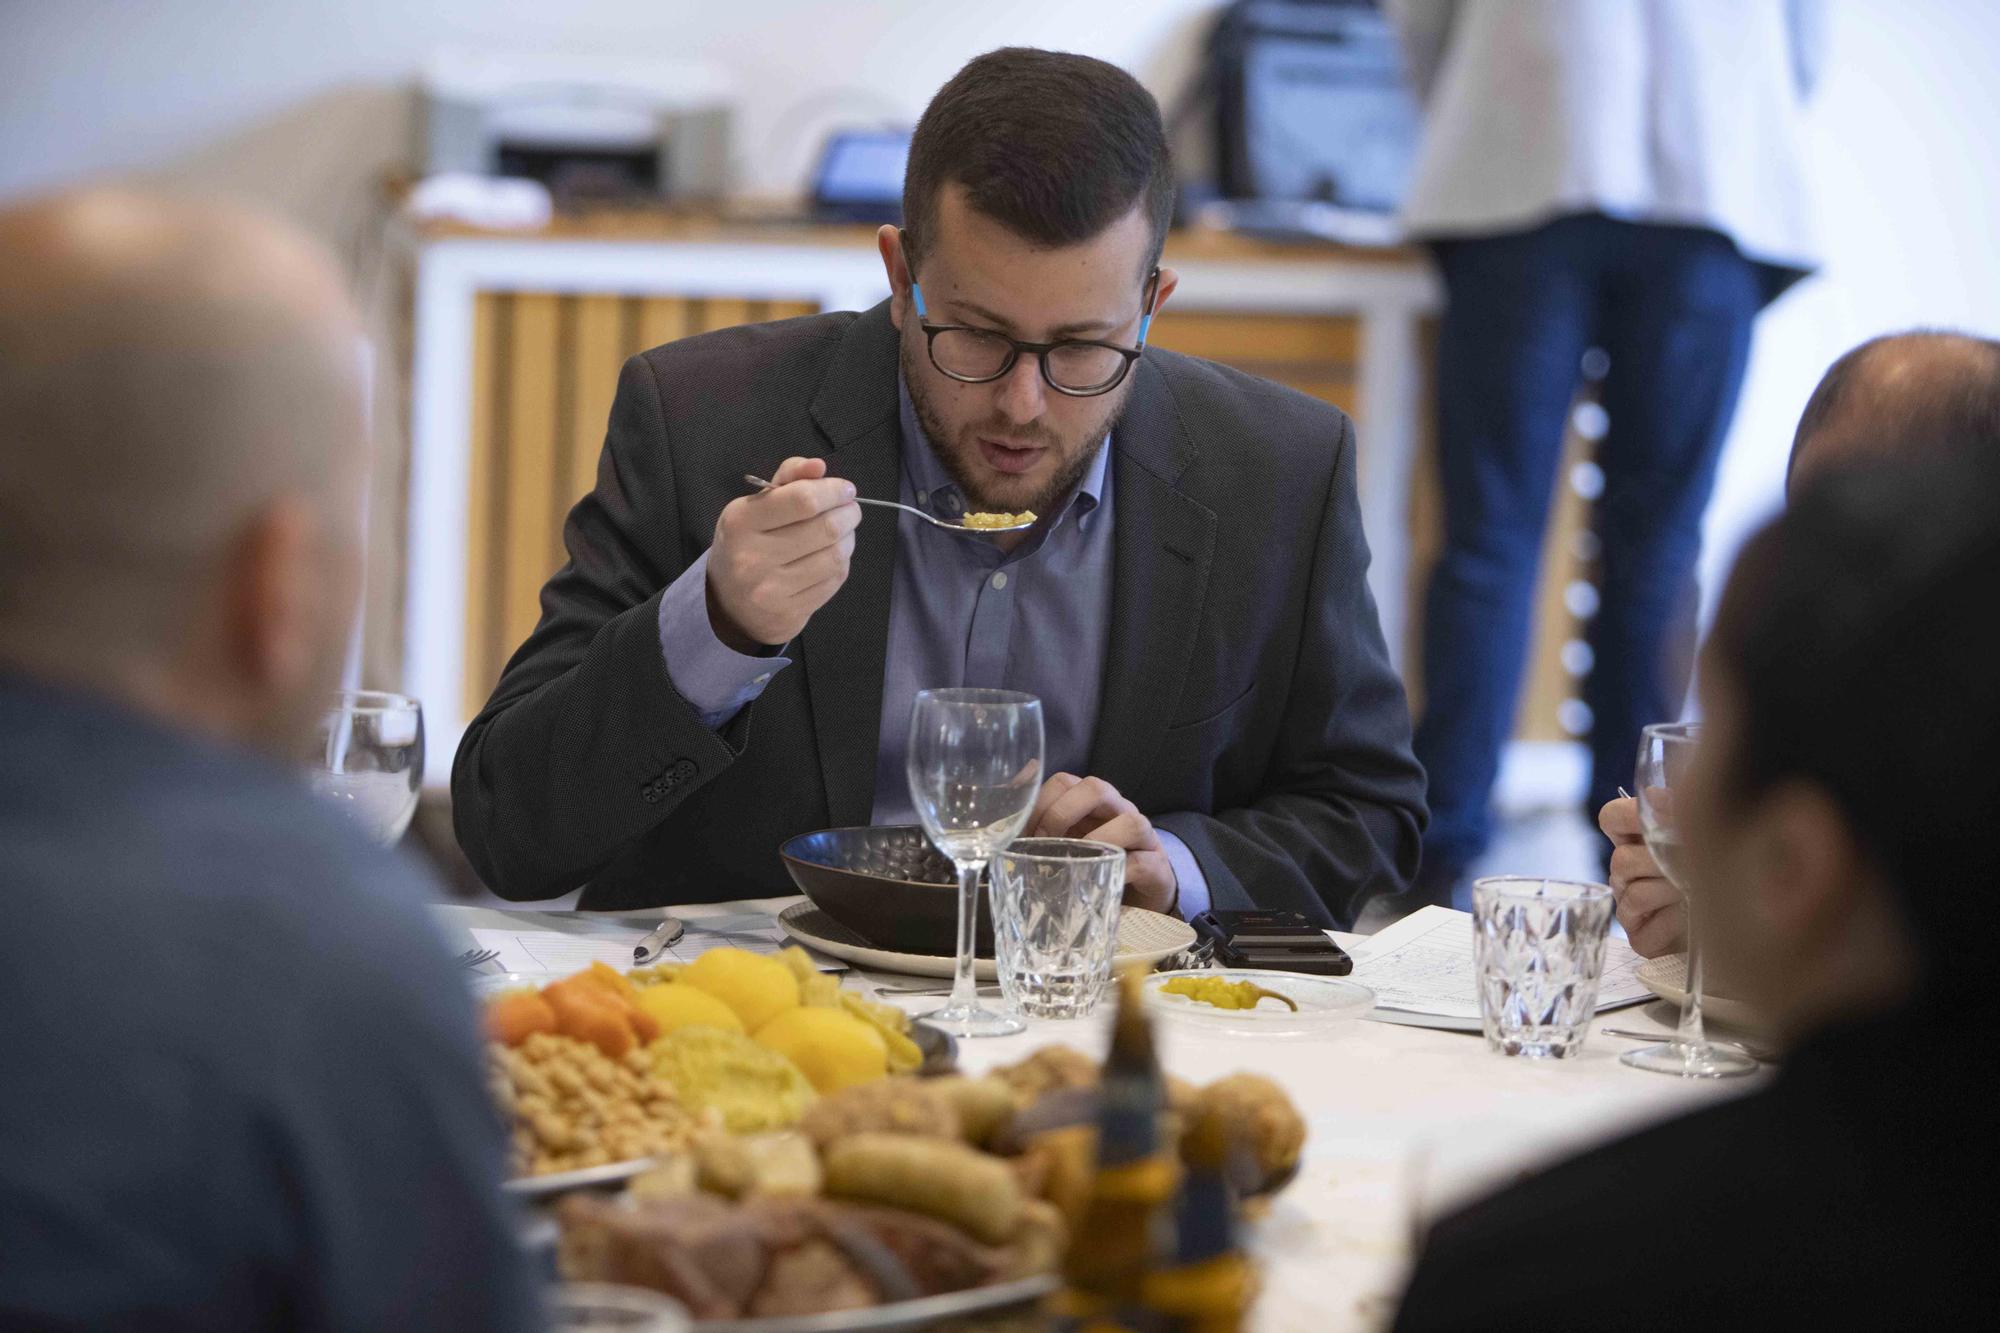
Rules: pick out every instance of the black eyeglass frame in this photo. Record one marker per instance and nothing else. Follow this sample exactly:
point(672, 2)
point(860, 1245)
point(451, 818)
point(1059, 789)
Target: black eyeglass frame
point(1040, 351)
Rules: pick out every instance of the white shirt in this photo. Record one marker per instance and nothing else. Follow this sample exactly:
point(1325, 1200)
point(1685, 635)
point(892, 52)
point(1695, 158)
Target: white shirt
point(1671, 111)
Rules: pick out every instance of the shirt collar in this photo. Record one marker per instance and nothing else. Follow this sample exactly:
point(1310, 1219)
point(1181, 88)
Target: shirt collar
point(938, 493)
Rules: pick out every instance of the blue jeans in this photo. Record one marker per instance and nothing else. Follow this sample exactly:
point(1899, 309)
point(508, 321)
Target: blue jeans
point(1673, 308)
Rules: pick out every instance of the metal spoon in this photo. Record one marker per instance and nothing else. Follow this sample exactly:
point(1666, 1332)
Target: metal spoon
point(763, 485)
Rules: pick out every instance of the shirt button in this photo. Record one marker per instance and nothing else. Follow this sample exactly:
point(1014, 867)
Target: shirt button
point(923, 497)
point(999, 582)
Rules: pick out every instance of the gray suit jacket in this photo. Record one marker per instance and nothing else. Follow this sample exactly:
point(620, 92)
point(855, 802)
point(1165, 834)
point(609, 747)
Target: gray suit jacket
point(1248, 703)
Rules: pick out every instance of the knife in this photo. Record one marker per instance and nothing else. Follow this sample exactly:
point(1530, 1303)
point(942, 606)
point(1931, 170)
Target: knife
point(658, 940)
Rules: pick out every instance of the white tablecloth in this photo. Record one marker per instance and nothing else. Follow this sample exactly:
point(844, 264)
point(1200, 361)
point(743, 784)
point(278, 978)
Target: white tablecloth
point(1404, 1122)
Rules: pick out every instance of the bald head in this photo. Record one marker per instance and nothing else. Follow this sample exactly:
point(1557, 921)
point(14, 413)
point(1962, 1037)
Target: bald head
point(1899, 395)
point(174, 378)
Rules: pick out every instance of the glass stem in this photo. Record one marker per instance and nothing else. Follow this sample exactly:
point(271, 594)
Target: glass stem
point(964, 985)
point(1691, 1037)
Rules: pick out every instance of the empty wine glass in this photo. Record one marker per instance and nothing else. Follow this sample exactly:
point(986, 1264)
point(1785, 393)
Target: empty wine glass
point(368, 758)
point(975, 768)
point(1666, 751)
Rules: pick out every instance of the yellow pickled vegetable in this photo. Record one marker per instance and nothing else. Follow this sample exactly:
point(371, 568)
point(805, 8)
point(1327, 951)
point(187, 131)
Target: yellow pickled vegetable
point(1224, 993)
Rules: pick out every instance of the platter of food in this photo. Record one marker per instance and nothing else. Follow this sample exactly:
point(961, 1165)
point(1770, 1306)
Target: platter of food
point(770, 1151)
point(1143, 937)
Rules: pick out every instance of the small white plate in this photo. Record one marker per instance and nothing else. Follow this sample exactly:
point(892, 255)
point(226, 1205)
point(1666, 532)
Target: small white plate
point(1667, 977)
point(1143, 937)
point(1322, 1002)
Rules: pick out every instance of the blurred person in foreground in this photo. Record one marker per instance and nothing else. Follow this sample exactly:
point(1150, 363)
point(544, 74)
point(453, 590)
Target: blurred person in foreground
point(242, 1081)
point(1839, 821)
point(1624, 177)
point(716, 672)
point(1900, 396)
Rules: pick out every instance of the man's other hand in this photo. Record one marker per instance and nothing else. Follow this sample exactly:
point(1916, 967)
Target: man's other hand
point(1074, 807)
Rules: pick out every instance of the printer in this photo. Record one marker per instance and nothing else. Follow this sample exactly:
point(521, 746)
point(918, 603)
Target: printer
point(591, 128)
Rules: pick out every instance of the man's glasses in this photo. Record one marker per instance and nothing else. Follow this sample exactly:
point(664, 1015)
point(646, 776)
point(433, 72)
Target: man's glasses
point(1078, 367)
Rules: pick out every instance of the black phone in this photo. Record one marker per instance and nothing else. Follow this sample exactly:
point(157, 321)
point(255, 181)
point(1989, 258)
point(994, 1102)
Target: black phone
point(1279, 941)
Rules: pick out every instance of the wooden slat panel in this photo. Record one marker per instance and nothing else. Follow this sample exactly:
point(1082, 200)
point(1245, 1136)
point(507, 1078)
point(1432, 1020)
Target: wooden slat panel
point(481, 571)
point(722, 312)
point(529, 549)
point(1324, 340)
point(791, 309)
point(661, 320)
point(595, 357)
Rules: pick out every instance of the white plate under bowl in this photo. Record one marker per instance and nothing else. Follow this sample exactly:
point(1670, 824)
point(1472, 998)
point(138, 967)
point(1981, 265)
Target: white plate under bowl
point(1666, 977)
point(1143, 937)
point(1322, 1002)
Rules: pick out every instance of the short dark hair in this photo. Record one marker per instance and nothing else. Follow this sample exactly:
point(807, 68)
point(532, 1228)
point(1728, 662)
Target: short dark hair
point(1053, 146)
point(1858, 629)
point(1951, 396)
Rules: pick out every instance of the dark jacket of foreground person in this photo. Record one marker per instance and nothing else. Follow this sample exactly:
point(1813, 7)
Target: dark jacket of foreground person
point(1848, 1194)
point(240, 1083)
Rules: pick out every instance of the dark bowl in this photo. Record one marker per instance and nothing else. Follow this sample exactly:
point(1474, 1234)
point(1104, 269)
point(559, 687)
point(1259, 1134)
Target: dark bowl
point(887, 885)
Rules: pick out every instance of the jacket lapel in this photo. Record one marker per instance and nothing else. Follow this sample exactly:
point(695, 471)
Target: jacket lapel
point(844, 647)
point(1162, 545)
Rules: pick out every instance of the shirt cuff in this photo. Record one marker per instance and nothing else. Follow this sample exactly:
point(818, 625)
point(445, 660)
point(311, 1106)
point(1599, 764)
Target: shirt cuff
point(715, 679)
point(1194, 897)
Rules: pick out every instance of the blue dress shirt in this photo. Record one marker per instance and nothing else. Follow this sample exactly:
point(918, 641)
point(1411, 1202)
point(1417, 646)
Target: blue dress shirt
point(962, 612)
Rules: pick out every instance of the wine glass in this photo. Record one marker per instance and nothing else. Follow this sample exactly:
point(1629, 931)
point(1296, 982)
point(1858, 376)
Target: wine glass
point(1665, 752)
point(368, 758)
point(975, 768)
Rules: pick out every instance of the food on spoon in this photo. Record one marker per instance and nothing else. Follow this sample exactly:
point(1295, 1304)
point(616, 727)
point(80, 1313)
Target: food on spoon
point(984, 520)
point(677, 1005)
point(1263, 1118)
point(1224, 993)
point(572, 1106)
point(751, 1087)
point(757, 987)
point(904, 1055)
point(832, 1047)
point(513, 1017)
point(941, 1179)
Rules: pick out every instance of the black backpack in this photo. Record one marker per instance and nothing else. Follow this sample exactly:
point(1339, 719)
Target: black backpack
point(1309, 102)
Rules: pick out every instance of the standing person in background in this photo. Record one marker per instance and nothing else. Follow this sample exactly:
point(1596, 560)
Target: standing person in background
point(1615, 176)
point(240, 1085)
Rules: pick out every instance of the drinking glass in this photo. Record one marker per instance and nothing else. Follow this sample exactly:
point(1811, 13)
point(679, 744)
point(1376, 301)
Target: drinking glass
point(1538, 955)
point(1665, 753)
point(975, 768)
point(1055, 923)
point(368, 758)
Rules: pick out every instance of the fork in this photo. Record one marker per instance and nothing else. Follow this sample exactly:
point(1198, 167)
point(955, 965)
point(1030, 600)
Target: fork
point(763, 485)
point(475, 957)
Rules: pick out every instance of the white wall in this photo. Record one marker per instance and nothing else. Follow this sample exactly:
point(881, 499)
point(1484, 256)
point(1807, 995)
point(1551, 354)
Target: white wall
point(1909, 188)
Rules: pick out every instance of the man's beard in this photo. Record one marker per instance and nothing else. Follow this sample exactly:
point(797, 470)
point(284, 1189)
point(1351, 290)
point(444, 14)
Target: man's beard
point(1077, 455)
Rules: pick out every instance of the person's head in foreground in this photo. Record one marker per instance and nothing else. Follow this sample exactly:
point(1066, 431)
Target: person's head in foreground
point(1895, 400)
point(1843, 794)
point(1035, 206)
point(1838, 815)
point(243, 1085)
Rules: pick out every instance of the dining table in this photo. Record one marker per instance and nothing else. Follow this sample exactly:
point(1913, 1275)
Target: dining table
point(1404, 1123)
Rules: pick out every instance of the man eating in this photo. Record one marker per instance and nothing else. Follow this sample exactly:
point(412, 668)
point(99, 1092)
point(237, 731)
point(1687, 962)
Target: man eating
point(716, 671)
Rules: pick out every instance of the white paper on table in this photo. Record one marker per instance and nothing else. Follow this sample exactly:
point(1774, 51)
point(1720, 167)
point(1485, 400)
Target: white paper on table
point(1423, 965)
point(558, 951)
